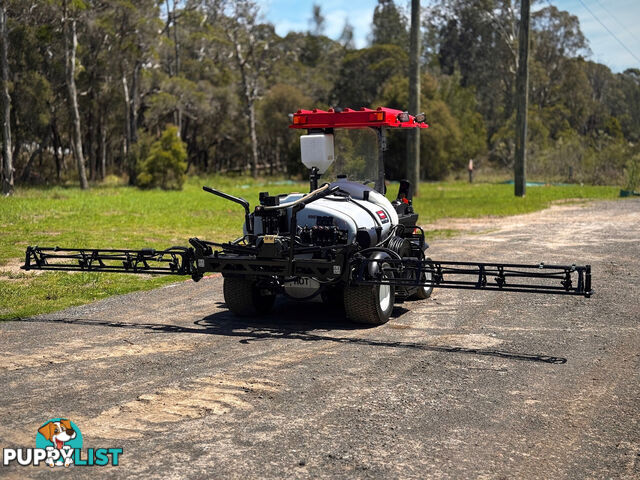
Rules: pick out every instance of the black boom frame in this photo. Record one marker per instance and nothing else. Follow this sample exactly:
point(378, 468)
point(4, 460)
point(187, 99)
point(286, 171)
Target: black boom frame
point(345, 265)
point(172, 261)
point(504, 277)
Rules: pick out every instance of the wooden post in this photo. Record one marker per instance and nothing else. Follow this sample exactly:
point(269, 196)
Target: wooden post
point(522, 98)
point(413, 139)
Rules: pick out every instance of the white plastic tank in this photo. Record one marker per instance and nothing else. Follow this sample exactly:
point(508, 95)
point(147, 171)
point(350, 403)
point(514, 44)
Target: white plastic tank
point(374, 216)
point(317, 151)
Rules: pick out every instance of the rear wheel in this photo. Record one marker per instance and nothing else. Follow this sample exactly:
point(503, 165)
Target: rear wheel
point(425, 292)
point(245, 298)
point(369, 304)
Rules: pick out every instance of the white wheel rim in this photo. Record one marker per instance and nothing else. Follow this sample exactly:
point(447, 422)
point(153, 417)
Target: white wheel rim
point(428, 276)
point(384, 293)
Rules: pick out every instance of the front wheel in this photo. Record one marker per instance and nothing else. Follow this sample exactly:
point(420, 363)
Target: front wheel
point(369, 304)
point(245, 298)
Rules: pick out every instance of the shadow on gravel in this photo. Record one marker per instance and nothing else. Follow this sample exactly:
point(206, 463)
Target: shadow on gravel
point(294, 321)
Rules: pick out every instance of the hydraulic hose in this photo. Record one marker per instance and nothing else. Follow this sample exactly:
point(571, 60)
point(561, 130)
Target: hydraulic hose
point(302, 200)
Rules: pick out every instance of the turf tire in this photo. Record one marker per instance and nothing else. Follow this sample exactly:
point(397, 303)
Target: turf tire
point(245, 299)
point(423, 292)
point(369, 304)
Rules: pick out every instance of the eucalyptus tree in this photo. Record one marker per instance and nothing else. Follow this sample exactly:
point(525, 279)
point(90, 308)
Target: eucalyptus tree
point(389, 25)
point(479, 39)
point(129, 34)
point(254, 50)
point(70, 11)
point(556, 40)
point(5, 101)
point(346, 38)
point(363, 73)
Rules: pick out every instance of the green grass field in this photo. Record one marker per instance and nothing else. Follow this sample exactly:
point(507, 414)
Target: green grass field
point(125, 217)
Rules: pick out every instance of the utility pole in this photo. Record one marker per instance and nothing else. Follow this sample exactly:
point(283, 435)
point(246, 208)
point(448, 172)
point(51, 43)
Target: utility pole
point(522, 101)
point(413, 139)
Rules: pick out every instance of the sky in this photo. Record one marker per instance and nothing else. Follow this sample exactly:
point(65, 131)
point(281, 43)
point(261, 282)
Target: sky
point(621, 17)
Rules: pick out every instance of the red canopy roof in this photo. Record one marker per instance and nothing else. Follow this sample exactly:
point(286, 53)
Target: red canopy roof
point(348, 118)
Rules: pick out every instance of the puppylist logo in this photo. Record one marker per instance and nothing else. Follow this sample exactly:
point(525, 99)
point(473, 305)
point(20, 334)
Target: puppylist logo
point(59, 443)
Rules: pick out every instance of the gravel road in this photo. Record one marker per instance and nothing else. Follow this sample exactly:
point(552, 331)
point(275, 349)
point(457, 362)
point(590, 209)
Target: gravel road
point(457, 386)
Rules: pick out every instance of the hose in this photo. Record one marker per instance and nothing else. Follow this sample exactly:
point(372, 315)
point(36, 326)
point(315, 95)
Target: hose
point(300, 200)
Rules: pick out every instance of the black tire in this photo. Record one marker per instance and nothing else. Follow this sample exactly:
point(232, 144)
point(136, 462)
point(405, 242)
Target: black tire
point(245, 299)
point(424, 292)
point(369, 304)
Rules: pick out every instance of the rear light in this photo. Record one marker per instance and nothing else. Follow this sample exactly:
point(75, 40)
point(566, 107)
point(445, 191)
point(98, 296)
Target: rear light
point(299, 119)
point(376, 117)
point(403, 117)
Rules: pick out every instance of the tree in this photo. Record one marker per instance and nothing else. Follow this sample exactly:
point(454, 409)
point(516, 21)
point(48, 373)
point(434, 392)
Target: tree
point(280, 144)
point(389, 25)
point(629, 109)
point(104, 78)
point(364, 72)
point(479, 39)
point(129, 32)
point(439, 144)
point(463, 105)
point(556, 40)
point(253, 51)
point(165, 165)
point(7, 161)
point(346, 36)
point(69, 22)
point(317, 21)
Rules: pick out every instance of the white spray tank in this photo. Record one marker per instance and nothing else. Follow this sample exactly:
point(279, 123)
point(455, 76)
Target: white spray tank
point(317, 151)
point(365, 212)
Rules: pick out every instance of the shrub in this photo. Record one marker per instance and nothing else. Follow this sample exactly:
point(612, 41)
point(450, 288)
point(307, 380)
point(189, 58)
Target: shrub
point(632, 172)
point(165, 165)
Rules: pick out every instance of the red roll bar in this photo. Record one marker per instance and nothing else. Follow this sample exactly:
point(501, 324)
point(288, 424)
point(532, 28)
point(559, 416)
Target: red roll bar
point(348, 118)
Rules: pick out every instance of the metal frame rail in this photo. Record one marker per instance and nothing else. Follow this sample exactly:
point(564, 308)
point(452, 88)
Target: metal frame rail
point(173, 261)
point(504, 277)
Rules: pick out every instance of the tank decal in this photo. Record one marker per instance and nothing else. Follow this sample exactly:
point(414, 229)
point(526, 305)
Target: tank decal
point(383, 216)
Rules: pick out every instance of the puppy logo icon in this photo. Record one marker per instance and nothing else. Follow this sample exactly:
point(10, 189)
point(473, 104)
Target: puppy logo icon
point(60, 437)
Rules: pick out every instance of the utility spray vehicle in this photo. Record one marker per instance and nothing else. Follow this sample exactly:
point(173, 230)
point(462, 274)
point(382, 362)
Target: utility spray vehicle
point(344, 240)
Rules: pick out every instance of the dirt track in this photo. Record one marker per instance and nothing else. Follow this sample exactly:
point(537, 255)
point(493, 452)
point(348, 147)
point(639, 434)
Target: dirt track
point(453, 387)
